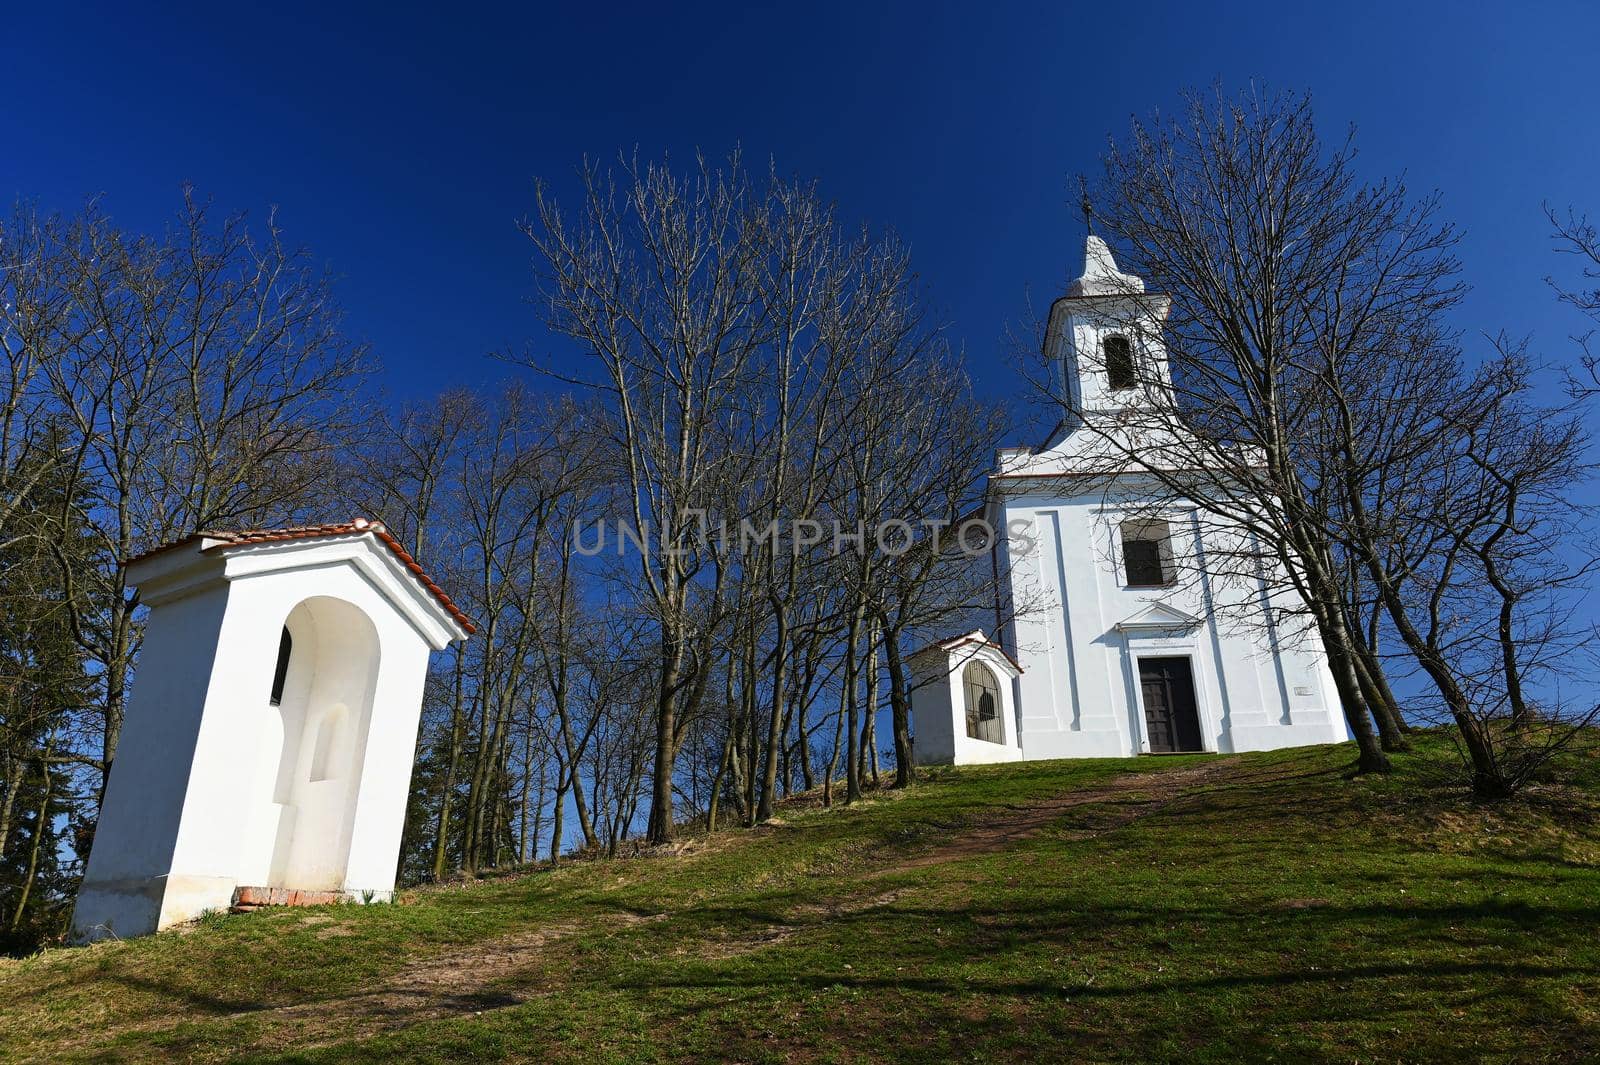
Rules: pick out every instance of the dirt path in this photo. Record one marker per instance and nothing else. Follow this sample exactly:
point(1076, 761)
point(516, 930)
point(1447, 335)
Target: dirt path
point(1135, 796)
point(446, 985)
point(1140, 795)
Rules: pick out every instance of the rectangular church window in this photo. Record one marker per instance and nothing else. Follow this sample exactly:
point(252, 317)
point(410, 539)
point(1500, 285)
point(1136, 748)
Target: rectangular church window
point(1119, 363)
point(1146, 556)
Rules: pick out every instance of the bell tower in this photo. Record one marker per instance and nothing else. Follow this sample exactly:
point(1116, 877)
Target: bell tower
point(1105, 338)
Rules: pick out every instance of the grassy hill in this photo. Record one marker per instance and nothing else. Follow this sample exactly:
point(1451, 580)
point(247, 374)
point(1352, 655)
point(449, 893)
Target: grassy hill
point(1261, 907)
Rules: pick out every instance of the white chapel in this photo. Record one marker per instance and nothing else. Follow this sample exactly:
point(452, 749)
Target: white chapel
point(268, 744)
point(1115, 637)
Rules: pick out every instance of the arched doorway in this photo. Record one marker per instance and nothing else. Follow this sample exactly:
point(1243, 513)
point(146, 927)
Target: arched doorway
point(320, 708)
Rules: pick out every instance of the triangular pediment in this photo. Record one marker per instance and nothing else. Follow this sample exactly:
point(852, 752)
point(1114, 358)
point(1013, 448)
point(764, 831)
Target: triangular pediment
point(963, 648)
point(1158, 616)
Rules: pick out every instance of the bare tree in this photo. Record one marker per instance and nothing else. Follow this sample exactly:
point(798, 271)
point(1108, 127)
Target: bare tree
point(34, 306)
point(931, 469)
point(1494, 563)
point(195, 381)
point(659, 277)
point(1576, 235)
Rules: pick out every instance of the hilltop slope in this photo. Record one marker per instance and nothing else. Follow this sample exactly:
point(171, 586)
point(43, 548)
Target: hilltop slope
point(1196, 908)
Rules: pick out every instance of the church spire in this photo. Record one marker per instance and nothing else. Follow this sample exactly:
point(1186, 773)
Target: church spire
point(1100, 274)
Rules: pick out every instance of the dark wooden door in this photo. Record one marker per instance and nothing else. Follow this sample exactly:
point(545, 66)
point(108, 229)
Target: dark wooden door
point(1171, 716)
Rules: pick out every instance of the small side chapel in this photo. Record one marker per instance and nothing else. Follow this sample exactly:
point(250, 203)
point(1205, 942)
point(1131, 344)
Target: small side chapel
point(1102, 649)
point(267, 747)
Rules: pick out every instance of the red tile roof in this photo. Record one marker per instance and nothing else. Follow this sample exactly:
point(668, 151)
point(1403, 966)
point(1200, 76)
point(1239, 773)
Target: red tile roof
point(354, 527)
point(956, 641)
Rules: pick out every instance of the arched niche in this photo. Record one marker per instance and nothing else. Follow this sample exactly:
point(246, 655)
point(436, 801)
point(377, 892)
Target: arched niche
point(314, 745)
point(981, 703)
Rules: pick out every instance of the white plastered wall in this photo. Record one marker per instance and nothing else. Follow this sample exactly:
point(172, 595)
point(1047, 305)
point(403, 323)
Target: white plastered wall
point(211, 787)
point(1256, 687)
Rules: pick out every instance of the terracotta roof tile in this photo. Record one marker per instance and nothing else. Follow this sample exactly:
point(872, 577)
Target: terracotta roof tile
point(955, 641)
point(354, 527)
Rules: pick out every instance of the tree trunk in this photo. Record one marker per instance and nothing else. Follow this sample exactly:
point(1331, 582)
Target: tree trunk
point(1487, 780)
point(522, 805)
point(833, 755)
point(1379, 702)
point(716, 781)
point(752, 736)
point(532, 855)
point(574, 762)
point(852, 765)
point(47, 781)
point(802, 738)
point(1505, 632)
point(769, 774)
point(441, 841)
point(558, 814)
point(905, 770)
point(1521, 715)
point(9, 773)
point(1368, 649)
point(1336, 642)
point(1326, 603)
point(869, 725)
point(661, 816)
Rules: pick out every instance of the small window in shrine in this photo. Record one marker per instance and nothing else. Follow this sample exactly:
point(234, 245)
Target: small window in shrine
point(281, 673)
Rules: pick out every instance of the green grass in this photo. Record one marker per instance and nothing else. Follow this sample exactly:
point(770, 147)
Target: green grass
point(1274, 909)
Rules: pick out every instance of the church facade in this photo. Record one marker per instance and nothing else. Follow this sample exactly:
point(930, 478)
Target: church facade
point(1120, 629)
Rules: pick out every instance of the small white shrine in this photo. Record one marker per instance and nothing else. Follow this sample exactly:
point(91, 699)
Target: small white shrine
point(1119, 634)
point(964, 703)
point(270, 733)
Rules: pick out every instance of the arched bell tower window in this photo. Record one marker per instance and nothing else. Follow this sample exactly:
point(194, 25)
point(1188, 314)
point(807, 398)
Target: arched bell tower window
point(982, 692)
point(281, 672)
point(1119, 362)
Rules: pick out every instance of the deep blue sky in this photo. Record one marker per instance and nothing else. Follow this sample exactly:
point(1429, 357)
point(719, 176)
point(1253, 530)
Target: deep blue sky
point(401, 146)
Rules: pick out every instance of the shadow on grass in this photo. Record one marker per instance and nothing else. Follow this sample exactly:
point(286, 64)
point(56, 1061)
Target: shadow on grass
point(1339, 976)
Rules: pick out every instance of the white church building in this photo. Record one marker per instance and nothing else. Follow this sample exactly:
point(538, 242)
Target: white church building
point(1116, 634)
